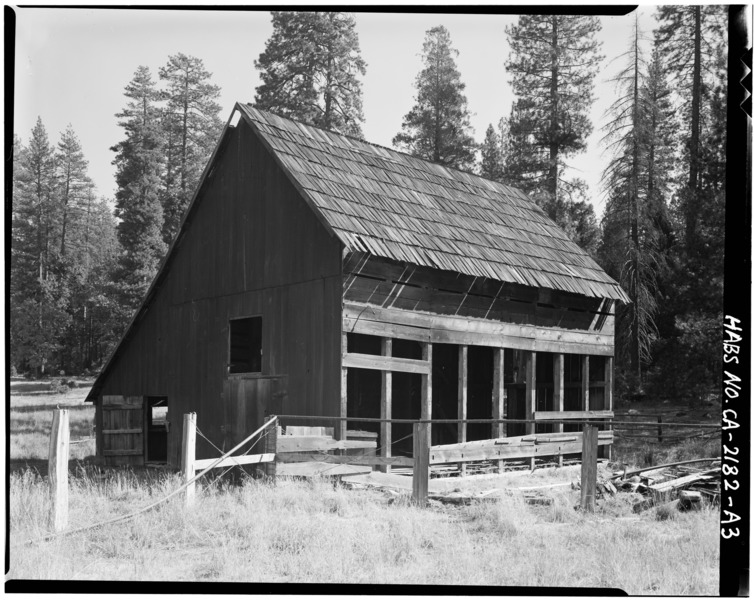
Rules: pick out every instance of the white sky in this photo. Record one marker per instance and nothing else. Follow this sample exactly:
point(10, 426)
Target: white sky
point(73, 64)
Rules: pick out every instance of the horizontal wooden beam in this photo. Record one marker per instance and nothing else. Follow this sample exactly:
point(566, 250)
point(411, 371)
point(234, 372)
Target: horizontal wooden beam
point(428, 327)
point(117, 431)
point(396, 461)
point(122, 452)
point(232, 461)
point(559, 447)
point(121, 407)
point(386, 363)
point(572, 414)
point(296, 443)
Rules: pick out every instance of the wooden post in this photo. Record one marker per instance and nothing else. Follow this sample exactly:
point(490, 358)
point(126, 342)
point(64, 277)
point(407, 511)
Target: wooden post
point(609, 396)
point(271, 447)
point(531, 394)
point(589, 467)
point(659, 429)
point(498, 397)
point(426, 400)
point(421, 463)
point(386, 406)
point(58, 469)
point(340, 430)
point(188, 455)
point(463, 397)
point(585, 382)
point(558, 394)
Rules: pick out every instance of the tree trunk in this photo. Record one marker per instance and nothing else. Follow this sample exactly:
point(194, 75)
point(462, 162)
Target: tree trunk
point(692, 202)
point(552, 176)
point(634, 200)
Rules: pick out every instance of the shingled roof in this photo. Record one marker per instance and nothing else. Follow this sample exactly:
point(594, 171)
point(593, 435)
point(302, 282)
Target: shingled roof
point(400, 207)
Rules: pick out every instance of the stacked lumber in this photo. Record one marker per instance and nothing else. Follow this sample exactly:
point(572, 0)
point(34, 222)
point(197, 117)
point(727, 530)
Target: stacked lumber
point(684, 487)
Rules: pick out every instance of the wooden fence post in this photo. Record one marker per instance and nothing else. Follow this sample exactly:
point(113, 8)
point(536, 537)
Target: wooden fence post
point(659, 429)
point(421, 463)
point(58, 470)
point(589, 467)
point(188, 455)
point(271, 447)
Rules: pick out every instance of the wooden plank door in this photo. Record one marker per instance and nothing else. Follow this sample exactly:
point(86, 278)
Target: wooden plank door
point(123, 430)
point(246, 403)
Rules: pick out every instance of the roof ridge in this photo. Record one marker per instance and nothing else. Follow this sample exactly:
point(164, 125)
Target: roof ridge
point(401, 152)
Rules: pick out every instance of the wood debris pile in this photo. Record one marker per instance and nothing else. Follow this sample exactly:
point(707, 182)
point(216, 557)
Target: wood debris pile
point(684, 487)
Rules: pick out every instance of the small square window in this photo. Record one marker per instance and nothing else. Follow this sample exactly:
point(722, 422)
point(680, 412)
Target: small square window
point(245, 345)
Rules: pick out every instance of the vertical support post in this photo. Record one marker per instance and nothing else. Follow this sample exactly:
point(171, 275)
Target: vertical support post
point(340, 430)
point(585, 381)
point(558, 393)
point(426, 401)
point(589, 467)
point(386, 407)
point(271, 446)
point(609, 396)
point(498, 397)
point(421, 463)
point(58, 470)
point(531, 394)
point(463, 397)
point(188, 455)
point(659, 429)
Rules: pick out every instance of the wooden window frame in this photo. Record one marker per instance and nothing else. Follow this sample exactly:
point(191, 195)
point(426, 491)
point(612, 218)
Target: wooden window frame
point(260, 372)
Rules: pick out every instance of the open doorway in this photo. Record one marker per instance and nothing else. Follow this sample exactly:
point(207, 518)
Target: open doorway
point(157, 429)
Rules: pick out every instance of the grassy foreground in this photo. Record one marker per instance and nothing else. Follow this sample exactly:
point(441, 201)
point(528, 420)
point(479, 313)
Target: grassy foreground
point(295, 531)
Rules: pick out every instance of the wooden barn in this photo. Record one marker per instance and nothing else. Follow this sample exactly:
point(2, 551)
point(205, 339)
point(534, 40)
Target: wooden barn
point(318, 274)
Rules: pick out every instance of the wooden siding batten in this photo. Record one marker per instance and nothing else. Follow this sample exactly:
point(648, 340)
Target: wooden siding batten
point(386, 406)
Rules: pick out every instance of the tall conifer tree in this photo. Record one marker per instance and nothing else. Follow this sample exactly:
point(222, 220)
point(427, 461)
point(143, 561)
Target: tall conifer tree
point(192, 127)
point(73, 181)
point(310, 70)
point(437, 128)
point(137, 199)
point(552, 64)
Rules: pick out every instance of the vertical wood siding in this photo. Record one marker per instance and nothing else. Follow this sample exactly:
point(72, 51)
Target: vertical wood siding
point(252, 247)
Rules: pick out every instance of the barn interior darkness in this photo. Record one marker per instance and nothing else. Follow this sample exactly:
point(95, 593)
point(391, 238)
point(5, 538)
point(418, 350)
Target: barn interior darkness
point(364, 390)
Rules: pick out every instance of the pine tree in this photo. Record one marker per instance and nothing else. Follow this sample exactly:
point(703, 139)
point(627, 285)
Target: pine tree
point(73, 180)
point(630, 242)
point(689, 38)
point(38, 295)
point(552, 66)
point(437, 128)
point(192, 126)
point(137, 199)
point(310, 70)
point(491, 165)
point(691, 44)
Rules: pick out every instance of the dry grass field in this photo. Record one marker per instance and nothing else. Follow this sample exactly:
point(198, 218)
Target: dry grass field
point(317, 531)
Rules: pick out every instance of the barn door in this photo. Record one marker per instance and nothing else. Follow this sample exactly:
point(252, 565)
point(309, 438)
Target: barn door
point(123, 430)
point(247, 401)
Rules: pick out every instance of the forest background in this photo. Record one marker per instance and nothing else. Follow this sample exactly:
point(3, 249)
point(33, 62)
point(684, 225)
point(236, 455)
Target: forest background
point(615, 126)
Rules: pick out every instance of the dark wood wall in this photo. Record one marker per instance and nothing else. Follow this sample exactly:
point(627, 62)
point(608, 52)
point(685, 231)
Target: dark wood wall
point(252, 247)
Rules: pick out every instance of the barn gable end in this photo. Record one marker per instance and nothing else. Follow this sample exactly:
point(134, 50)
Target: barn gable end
point(249, 246)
